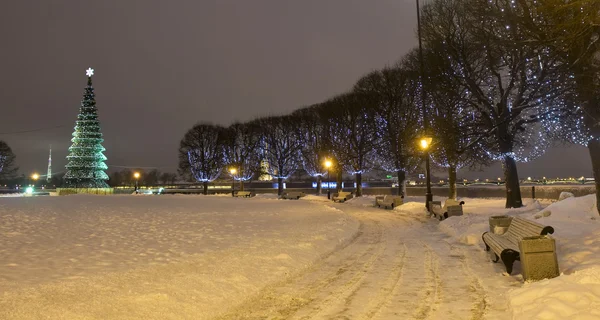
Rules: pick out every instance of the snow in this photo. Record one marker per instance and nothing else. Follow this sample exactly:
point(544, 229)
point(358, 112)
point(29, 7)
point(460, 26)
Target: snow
point(204, 257)
point(148, 256)
point(573, 295)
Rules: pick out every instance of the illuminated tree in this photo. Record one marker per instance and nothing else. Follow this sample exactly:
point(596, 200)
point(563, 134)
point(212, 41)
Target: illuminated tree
point(571, 28)
point(515, 89)
point(201, 151)
point(280, 147)
point(85, 167)
point(458, 141)
point(351, 132)
point(241, 147)
point(396, 118)
point(313, 143)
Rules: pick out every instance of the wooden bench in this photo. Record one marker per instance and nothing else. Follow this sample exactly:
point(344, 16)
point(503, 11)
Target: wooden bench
point(389, 201)
point(293, 195)
point(451, 208)
point(342, 196)
point(244, 194)
point(506, 246)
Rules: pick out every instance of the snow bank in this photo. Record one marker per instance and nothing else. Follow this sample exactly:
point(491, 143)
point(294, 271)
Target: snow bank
point(575, 296)
point(154, 257)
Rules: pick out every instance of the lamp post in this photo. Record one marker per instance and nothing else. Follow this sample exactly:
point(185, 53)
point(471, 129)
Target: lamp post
point(136, 175)
point(425, 143)
point(233, 171)
point(328, 165)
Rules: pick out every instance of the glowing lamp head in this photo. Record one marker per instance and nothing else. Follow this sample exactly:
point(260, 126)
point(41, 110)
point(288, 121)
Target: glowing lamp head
point(136, 175)
point(425, 142)
point(328, 164)
point(528, 178)
point(233, 170)
point(35, 176)
point(29, 190)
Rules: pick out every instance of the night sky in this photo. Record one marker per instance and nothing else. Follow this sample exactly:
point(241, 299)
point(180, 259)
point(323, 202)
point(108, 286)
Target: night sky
point(161, 66)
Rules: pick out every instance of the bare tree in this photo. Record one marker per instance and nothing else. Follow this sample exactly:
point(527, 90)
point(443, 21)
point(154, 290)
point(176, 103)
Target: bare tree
point(397, 119)
point(168, 178)
point(351, 132)
point(203, 147)
point(151, 177)
point(313, 141)
point(280, 147)
point(571, 29)
point(511, 87)
point(458, 141)
point(241, 146)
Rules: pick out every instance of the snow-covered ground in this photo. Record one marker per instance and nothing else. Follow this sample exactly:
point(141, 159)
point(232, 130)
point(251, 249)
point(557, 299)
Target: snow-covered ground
point(153, 257)
point(573, 295)
point(205, 257)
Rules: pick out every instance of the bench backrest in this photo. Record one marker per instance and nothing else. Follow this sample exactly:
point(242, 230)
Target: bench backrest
point(390, 197)
point(344, 194)
point(243, 193)
point(454, 210)
point(520, 228)
point(452, 202)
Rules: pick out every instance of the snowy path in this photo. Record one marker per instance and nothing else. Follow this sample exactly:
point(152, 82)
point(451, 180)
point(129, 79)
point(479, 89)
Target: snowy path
point(397, 267)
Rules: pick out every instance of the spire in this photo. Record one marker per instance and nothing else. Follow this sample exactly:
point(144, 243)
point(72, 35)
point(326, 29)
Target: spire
point(49, 175)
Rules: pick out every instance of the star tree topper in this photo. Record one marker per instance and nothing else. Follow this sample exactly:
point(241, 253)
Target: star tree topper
point(89, 72)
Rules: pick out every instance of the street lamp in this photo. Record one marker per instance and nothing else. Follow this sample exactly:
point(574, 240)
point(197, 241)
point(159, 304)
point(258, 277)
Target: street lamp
point(328, 165)
point(136, 175)
point(34, 178)
point(233, 171)
point(425, 144)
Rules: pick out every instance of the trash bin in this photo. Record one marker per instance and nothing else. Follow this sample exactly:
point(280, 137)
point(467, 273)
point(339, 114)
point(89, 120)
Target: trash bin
point(499, 224)
point(538, 258)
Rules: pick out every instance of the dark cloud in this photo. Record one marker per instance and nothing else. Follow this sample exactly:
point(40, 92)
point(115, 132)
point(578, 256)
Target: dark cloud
point(161, 66)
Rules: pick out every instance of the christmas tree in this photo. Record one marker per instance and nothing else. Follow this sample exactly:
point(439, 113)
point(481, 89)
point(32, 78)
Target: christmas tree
point(85, 168)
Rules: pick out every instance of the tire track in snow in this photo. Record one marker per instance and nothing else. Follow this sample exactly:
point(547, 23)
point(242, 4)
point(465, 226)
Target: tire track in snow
point(475, 287)
point(389, 286)
point(344, 266)
point(430, 295)
point(397, 267)
point(336, 298)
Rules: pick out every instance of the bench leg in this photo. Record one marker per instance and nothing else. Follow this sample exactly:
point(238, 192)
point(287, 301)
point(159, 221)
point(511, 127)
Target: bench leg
point(487, 248)
point(508, 257)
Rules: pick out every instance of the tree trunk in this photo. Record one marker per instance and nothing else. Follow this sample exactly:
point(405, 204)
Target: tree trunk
point(511, 177)
point(594, 147)
point(319, 181)
point(205, 185)
point(359, 184)
point(338, 179)
point(279, 186)
point(401, 179)
point(241, 185)
point(452, 182)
